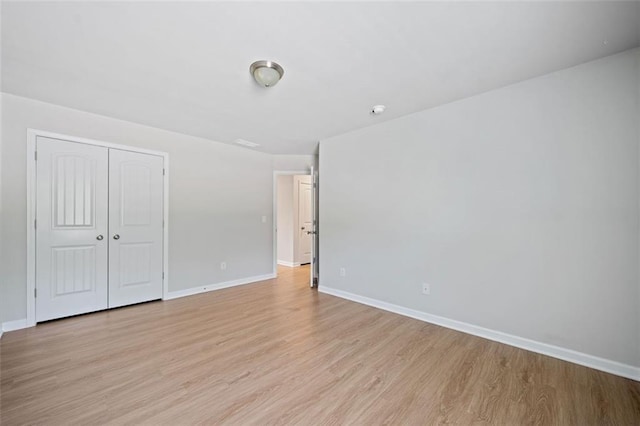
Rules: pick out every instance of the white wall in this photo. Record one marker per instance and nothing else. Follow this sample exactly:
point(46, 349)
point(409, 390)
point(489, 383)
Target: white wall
point(285, 219)
point(519, 206)
point(294, 163)
point(217, 196)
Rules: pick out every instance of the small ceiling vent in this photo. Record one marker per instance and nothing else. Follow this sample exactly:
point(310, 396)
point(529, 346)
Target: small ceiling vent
point(246, 143)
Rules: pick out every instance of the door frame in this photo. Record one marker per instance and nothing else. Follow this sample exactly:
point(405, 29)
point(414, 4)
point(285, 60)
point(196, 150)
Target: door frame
point(32, 135)
point(277, 173)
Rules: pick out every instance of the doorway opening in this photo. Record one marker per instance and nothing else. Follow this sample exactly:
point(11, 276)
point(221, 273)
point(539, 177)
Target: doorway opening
point(293, 219)
point(295, 223)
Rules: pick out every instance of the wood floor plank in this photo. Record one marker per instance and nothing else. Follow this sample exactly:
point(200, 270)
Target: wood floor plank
point(277, 352)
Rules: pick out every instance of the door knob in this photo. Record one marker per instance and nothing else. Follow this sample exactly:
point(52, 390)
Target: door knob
point(116, 237)
point(311, 232)
point(99, 237)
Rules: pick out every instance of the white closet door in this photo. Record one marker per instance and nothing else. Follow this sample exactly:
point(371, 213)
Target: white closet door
point(135, 227)
point(71, 231)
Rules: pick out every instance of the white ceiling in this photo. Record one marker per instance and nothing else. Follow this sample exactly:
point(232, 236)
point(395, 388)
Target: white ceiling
point(184, 66)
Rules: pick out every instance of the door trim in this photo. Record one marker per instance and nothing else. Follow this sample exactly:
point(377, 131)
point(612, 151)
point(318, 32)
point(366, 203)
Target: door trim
point(277, 173)
point(32, 135)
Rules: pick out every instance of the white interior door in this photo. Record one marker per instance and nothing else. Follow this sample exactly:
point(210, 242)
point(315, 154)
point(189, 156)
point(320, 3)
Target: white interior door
point(135, 227)
point(313, 281)
point(305, 219)
point(71, 228)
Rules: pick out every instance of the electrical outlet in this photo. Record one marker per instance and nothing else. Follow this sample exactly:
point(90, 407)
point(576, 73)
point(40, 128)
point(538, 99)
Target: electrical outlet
point(343, 272)
point(223, 266)
point(426, 288)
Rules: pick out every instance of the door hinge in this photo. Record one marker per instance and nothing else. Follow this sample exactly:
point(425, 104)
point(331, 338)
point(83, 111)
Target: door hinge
point(163, 172)
point(35, 292)
point(35, 155)
point(35, 223)
point(163, 275)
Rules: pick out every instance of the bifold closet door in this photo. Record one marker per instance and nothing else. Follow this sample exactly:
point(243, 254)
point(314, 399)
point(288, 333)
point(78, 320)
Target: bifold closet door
point(135, 227)
point(71, 228)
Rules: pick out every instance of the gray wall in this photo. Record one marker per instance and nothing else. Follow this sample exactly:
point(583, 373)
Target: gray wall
point(294, 163)
point(218, 194)
point(519, 207)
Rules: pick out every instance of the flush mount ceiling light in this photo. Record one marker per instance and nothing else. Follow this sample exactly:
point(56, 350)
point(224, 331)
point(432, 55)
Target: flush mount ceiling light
point(266, 73)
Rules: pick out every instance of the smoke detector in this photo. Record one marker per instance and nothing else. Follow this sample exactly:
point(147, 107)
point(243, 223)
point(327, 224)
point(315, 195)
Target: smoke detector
point(378, 109)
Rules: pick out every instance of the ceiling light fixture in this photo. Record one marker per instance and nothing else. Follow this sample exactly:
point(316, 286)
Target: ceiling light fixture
point(266, 73)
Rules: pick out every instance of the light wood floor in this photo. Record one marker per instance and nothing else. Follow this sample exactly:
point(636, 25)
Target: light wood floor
point(277, 352)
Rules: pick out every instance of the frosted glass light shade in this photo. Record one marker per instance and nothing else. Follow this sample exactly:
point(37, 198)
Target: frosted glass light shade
point(266, 73)
point(266, 76)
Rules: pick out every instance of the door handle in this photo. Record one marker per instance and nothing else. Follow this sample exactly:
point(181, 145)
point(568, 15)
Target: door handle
point(99, 237)
point(116, 237)
point(311, 232)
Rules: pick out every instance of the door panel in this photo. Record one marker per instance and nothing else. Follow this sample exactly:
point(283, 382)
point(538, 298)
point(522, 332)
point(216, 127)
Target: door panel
point(72, 270)
point(135, 227)
point(71, 214)
point(135, 263)
point(305, 219)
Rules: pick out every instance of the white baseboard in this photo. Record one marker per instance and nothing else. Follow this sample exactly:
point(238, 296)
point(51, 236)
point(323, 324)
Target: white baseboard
point(14, 325)
point(564, 354)
point(197, 290)
point(289, 264)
